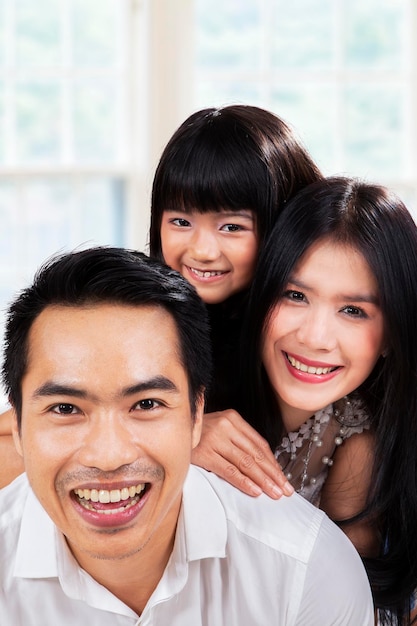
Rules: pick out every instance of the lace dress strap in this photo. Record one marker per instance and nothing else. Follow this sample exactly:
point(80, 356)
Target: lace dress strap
point(305, 455)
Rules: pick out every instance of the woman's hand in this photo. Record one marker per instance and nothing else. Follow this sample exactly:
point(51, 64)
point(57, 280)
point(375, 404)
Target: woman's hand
point(235, 451)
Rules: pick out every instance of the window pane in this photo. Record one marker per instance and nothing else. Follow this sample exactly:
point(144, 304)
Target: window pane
point(48, 215)
point(37, 32)
point(37, 122)
point(229, 36)
point(2, 123)
point(374, 34)
point(217, 93)
point(92, 22)
point(302, 105)
point(95, 124)
point(302, 34)
point(374, 131)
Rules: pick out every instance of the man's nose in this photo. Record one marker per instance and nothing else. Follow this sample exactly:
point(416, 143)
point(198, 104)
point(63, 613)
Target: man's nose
point(108, 443)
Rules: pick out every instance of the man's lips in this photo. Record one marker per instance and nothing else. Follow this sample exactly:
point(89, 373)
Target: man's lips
point(108, 507)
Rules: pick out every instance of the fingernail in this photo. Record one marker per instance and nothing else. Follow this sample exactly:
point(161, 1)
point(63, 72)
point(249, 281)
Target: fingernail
point(276, 491)
point(288, 489)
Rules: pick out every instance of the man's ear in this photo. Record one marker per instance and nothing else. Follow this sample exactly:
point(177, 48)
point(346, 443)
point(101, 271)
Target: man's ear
point(16, 433)
point(198, 419)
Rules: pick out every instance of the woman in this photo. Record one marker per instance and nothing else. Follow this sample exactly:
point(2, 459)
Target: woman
point(329, 362)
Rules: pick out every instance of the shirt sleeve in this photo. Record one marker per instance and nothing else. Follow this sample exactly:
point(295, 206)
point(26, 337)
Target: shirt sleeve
point(336, 590)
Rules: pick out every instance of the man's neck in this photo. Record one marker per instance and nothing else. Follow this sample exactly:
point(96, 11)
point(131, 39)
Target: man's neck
point(134, 578)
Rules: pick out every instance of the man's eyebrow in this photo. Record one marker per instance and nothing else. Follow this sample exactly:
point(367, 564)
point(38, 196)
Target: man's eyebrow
point(158, 382)
point(51, 388)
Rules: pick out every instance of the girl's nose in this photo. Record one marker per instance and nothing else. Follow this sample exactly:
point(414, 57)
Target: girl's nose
point(204, 246)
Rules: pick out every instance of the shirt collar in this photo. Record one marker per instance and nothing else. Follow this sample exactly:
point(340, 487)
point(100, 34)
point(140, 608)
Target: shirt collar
point(35, 555)
point(205, 526)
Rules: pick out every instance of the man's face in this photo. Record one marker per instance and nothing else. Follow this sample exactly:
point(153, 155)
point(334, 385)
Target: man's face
point(107, 429)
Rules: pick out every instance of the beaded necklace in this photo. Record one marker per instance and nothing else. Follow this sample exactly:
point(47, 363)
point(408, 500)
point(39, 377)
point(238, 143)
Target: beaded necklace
point(316, 440)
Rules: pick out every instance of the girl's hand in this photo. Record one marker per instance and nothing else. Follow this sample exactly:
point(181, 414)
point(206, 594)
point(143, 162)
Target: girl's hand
point(235, 451)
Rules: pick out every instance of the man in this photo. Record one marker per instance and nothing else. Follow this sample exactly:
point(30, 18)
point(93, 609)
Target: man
point(106, 362)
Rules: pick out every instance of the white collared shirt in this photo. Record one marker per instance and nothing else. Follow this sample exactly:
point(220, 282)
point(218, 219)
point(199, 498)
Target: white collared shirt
point(237, 561)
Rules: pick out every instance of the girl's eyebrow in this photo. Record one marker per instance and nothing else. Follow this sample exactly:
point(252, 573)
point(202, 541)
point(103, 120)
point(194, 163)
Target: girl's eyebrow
point(244, 213)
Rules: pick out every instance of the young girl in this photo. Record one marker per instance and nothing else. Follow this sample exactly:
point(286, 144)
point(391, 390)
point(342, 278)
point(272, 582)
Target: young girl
point(221, 183)
point(329, 361)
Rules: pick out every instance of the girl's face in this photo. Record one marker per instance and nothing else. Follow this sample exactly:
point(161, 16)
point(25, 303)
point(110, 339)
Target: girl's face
point(216, 251)
point(325, 334)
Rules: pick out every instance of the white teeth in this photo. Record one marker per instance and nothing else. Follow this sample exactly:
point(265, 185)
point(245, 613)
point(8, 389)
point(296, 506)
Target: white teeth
point(205, 274)
point(115, 495)
point(302, 367)
point(87, 505)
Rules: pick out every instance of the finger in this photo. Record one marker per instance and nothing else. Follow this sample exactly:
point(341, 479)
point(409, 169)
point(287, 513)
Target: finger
point(243, 471)
point(255, 459)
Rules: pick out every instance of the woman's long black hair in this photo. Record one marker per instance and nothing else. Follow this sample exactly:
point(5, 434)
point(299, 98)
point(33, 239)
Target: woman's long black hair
point(377, 224)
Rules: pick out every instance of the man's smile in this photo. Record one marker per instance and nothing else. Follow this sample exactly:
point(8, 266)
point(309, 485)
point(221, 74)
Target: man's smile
point(94, 499)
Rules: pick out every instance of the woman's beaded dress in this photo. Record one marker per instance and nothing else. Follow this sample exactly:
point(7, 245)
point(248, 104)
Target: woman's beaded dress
point(307, 454)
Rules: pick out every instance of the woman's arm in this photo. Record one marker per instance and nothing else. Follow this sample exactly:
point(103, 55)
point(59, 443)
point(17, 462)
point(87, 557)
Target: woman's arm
point(345, 491)
point(233, 450)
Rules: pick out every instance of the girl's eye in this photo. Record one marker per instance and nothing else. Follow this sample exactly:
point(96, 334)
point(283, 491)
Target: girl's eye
point(296, 296)
point(65, 409)
point(180, 221)
point(354, 311)
point(231, 228)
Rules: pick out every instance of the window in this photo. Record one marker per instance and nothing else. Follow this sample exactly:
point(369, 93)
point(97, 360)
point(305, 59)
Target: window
point(342, 72)
point(67, 157)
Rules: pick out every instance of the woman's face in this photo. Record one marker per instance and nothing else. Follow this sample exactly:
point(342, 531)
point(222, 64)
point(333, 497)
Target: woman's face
point(215, 251)
point(325, 334)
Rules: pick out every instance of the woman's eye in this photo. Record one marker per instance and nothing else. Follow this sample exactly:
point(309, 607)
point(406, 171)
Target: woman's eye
point(65, 409)
point(297, 296)
point(231, 228)
point(354, 311)
point(180, 221)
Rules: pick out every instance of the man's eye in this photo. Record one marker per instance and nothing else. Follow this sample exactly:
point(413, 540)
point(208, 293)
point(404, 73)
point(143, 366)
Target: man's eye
point(147, 405)
point(65, 409)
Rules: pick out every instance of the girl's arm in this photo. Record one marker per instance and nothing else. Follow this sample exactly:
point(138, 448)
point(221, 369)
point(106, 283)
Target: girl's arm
point(6, 422)
point(235, 451)
point(11, 463)
point(345, 491)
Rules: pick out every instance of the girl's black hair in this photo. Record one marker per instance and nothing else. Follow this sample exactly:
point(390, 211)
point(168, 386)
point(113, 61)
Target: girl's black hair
point(376, 223)
point(234, 157)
